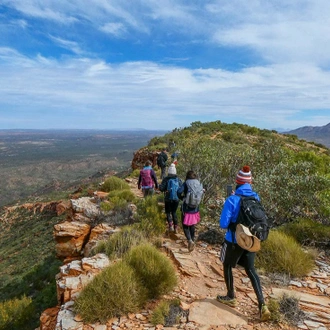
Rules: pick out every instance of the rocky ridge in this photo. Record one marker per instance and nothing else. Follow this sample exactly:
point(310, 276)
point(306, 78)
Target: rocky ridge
point(200, 280)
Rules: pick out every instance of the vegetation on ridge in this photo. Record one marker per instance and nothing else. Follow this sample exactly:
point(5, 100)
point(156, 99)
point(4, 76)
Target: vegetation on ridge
point(291, 176)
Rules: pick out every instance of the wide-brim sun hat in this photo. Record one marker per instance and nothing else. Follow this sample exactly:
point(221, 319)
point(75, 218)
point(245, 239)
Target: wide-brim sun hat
point(246, 240)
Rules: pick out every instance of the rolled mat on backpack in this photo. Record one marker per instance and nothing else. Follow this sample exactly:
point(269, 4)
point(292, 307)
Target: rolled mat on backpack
point(246, 240)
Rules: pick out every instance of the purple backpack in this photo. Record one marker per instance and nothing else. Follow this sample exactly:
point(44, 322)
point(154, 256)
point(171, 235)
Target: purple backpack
point(146, 179)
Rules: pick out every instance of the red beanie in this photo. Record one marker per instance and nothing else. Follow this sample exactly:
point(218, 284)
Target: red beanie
point(244, 175)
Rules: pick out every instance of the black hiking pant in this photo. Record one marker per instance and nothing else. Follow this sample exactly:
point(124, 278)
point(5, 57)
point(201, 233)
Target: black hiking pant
point(170, 210)
point(232, 255)
point(163, 172)
point(189, 232)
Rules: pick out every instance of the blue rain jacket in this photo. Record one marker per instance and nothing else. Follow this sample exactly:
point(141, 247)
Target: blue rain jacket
point(231, 209)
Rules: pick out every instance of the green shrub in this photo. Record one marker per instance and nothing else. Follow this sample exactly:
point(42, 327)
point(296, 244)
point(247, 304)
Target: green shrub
point(307, 232)
point(117, 203)
point(126, 194)
point(135, 173)
point(281, 253)
point(167, 313)
point(274, 308)
point(160, 312)
point(118, 200)
point(151, 217)
point(114, 292)
point(15, 313)
point(106, 206)
point(120, 243)
point(114, 183)
point(153, 268)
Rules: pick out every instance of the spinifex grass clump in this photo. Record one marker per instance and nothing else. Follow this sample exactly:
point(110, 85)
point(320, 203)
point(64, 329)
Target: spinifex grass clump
point(121, 242)
point(114, 183)
point(153, 268)
point(168, 313)
point(160, 312)
point(135, 173)
point(151, 217)
point(280, 253)
point(308, 232)
point(115, 291)
point(274, 308)
point(125, 194)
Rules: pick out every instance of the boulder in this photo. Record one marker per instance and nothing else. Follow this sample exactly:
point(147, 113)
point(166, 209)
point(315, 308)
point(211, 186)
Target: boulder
point(70, 238)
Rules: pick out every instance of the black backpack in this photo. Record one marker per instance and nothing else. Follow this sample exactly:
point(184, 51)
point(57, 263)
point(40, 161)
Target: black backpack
point(161, 160)
point(252, 215)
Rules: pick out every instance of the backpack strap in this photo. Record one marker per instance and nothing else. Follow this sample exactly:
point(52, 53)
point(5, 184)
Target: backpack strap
point(232, 226)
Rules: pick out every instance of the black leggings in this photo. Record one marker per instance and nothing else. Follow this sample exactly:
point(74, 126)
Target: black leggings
point(189, 232)
point(170, 210)
point(247, 261)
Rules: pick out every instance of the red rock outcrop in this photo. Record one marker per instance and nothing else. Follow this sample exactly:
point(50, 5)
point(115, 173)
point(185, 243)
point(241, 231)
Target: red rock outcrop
point(142, 155)
point(48, 318)
point(70, 238)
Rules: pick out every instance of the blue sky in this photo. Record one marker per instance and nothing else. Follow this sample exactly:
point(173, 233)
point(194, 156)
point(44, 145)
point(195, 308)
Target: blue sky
point(162, 64)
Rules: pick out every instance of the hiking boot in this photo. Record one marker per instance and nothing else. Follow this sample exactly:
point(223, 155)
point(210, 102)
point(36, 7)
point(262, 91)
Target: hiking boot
point(171, 228)
point(191, 245)
point(175, 229)
point(227, 300)
point(264, 313)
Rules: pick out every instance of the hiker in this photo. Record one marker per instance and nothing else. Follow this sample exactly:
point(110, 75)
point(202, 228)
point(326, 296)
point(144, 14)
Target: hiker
point(161, 162)
point(190, 214)
point(170, 185)
point(231, 253)
point(147, 180)
point(174, 158)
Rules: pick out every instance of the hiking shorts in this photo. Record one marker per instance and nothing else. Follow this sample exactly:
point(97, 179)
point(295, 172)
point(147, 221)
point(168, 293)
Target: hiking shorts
point(232, 254)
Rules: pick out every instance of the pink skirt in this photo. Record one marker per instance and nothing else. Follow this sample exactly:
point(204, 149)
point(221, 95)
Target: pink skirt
point(191, 219)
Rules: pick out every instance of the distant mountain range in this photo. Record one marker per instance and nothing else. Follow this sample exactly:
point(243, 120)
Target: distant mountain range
point(318, 134)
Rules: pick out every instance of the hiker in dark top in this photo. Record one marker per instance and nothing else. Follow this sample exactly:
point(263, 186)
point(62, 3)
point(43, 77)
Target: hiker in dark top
point(147, 180)
point(190, 216)
point(171, 202)
point(161, 162)
point(231, 253)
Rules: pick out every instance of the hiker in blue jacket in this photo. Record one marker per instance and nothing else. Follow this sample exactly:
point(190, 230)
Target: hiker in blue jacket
point(171, 200)
point(147, 180)
point(231, 253)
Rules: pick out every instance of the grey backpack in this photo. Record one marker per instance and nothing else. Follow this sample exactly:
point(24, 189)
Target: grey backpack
point(195, 193)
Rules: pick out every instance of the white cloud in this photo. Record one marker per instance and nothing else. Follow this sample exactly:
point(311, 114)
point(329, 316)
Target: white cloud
point(67, 44)
point(298, 31)
point(116, 29)
point(40, 9)
point(142, 91)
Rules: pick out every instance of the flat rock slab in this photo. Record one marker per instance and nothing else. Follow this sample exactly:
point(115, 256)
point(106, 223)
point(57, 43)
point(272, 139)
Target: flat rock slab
point(210, 312)
point(186, 263)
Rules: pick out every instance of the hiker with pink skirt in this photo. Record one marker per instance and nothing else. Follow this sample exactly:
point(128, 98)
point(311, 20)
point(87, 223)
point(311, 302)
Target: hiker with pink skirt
point(190, 214)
